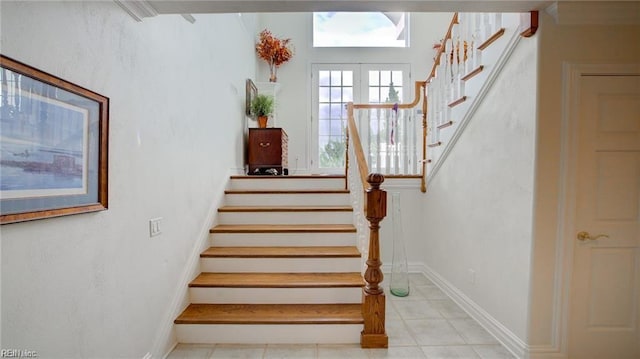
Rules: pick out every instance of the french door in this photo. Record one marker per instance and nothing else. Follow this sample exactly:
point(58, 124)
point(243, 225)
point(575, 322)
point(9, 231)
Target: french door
point(335, 85)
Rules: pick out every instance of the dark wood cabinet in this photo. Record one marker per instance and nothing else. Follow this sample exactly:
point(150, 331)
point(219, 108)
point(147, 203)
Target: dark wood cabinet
point(268, 150)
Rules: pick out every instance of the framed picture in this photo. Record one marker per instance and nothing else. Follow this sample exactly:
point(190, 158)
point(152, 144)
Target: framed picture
point(53, 145)
point(251, 93)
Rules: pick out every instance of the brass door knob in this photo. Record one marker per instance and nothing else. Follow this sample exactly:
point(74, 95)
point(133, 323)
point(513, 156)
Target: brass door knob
point(584, 236)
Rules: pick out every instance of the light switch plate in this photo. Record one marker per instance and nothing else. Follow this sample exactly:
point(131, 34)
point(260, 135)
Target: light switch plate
point(154, 227)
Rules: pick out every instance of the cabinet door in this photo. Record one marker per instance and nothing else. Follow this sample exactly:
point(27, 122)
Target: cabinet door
point(265, 147)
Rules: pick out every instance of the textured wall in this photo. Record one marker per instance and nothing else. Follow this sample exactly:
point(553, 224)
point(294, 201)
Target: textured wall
point(478, 209)
point(96, 285)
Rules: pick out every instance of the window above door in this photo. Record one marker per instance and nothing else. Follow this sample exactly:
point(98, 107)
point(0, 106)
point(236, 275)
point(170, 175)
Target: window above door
point(360, 29)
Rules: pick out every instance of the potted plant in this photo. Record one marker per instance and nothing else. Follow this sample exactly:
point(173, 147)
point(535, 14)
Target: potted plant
point(262, 107)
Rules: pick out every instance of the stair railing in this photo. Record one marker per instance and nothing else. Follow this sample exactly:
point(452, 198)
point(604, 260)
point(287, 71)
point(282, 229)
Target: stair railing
point(465, 54)
point(458, 59)
point(371, 201)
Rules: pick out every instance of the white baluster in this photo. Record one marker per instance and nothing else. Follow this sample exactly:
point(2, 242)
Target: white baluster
point(497, 21)
point(488, 30)
point(478, 28)
point(455, 66)
point(477, 41)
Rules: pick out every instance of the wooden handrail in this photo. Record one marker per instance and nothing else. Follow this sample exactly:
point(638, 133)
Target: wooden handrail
point(447, 36)
point(416, 100)
point(361, 162)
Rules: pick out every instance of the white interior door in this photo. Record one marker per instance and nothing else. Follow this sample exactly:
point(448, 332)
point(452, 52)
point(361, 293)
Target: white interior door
point(604, 298)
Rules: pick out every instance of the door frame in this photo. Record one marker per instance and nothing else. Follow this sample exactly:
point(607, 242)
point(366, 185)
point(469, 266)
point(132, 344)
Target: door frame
point(566, 229)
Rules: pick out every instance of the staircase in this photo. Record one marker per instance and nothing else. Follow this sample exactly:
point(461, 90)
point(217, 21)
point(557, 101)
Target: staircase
point(282, 266)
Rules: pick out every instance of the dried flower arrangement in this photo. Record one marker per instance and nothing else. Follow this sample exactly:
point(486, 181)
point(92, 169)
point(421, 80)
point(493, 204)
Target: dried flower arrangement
point(274, 51)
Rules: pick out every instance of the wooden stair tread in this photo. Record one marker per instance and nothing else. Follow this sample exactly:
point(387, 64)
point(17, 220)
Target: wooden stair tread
point(278, 280)
point(271, 314)
point(283, 228)
point(282, 252)
point(285, 209)
point(319, 176)
point(276, 191)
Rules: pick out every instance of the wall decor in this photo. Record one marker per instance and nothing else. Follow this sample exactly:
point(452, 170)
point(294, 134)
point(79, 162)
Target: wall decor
point(251, 93)
point(53, 145)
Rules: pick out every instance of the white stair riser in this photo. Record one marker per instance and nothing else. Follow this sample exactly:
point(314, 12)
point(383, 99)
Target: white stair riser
point(268, 334)
point(275, 295)
point(315, 199)
point(282, 239)
point(338, 217)
point(279, 265)
point(287, 183)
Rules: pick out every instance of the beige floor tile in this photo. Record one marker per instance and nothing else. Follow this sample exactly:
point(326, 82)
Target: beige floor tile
point(232, 351)
point(450, 352)
point(472, 332)
point(291, 351)
point(412, 352)
point(431, 292)
point(434, 332)
point(419, 279)
point(398, 333)
point(420, 309)
point(449, 309)
point(191, 351)
point(391, 312)
point(341, 351)
point(493, 352)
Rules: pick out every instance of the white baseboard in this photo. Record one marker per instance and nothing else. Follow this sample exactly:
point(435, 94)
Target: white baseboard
point(166, 337)
point(506, 337)
point(545, 352)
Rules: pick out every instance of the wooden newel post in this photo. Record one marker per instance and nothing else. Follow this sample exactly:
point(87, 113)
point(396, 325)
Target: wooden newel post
point(373, 300)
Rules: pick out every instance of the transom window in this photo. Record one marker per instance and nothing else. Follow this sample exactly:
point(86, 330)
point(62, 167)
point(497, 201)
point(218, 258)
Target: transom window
point(360, 29)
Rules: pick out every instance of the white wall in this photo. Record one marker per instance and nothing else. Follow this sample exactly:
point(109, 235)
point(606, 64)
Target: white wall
point(478, 208)
point(294, 107)
point(559, 44)
point(96, 285)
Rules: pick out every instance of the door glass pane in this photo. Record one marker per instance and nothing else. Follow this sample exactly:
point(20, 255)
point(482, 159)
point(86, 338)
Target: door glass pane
point(335, 89)
point(336, 94)
point(385, 86)
point(374, 78)
point(336, 78)
point(347, 78)
point(323, 78)
point(347, 94)
point(323, 94)
point(323, 112)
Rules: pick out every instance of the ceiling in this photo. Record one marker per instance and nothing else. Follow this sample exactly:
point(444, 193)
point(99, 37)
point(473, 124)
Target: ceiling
point(148, 8)
point(585, 11)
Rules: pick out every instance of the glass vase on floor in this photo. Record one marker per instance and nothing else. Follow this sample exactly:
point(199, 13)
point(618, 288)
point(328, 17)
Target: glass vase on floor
point(399, 283)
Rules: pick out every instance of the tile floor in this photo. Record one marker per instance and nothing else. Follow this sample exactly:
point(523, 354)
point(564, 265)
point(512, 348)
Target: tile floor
point(425, 324)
